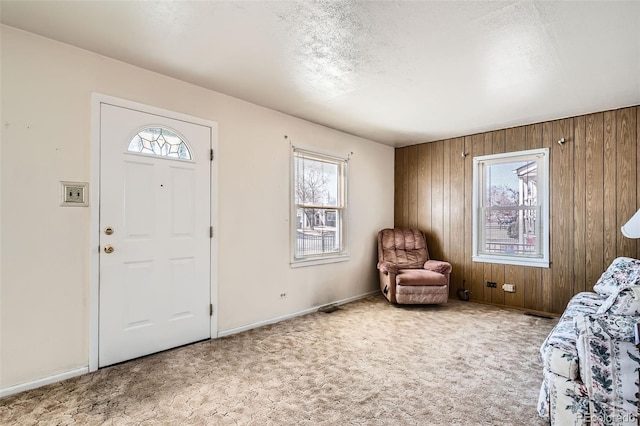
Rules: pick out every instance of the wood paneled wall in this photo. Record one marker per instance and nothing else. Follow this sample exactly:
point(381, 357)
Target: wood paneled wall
point(595, 189)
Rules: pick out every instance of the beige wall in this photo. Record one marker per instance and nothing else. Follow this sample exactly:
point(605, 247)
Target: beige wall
point(44, 270)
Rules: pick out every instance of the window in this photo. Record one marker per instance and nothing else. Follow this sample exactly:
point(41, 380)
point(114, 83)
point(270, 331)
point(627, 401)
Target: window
point(161, 142)
point(319, 207)
point(511, 208)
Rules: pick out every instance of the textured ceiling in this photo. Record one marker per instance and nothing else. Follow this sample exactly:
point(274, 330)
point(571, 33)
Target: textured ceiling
point(396, 72)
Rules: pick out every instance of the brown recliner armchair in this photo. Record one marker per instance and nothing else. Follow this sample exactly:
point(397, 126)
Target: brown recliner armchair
point(407, 275)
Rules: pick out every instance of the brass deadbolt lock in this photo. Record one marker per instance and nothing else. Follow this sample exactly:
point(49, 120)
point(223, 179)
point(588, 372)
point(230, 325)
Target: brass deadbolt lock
point(108, 230)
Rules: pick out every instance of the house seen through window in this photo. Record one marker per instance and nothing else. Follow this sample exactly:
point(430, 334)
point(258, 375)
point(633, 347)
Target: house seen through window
point(319, 207)
point(511, 204)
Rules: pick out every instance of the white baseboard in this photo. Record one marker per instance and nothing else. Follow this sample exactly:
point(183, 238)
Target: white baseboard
point(80, 371)
point(293, 315)
point(42, 382)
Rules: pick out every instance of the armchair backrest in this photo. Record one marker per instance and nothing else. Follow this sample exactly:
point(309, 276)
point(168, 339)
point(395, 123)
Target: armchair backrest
point(406, 248)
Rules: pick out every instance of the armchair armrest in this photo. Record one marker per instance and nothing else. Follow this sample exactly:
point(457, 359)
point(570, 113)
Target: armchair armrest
point(438, 266)
point(388, 267)
point(606, 327)
point(608, 363)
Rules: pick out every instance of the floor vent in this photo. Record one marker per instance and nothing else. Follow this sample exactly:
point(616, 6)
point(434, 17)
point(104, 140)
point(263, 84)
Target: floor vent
point(327, 309)
point(539, 315)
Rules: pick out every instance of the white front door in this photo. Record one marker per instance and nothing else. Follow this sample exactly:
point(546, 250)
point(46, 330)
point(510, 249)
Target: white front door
point(154, 233)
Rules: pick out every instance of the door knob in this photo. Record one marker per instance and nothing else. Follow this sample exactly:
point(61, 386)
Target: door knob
point(108, 248)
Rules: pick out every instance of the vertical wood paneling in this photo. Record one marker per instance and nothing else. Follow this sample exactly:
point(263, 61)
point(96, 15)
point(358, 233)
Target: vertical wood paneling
point(610, 216)
point(594, 199)
point(411, 162)
point(437, 201)
point(514, 275)
point(424, 187)
point(498, 141)
point(562, 219)
point(400, 189)
point(398, 174)
point(579, 204)
point(498, 277)
point(626, 176)
point(456, 218)
point(405, 189)
point(487, 292)
point(515, 139)
point(594, 189)
point(532, 297)
point(446, 192)
point(547, 276)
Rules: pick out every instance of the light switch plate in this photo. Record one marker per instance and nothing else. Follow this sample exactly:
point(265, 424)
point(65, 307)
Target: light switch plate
point(74, 194)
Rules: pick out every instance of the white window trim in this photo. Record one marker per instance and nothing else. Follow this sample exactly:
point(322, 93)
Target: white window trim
point(320, 259)
point(543, 181)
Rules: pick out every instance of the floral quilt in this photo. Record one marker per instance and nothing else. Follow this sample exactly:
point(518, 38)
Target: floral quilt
point(609, 362)
point(590, 361)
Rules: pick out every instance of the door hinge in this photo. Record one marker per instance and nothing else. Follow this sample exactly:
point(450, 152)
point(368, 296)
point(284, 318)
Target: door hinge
point(211, 232)
point(211, 155)
point(211, 310)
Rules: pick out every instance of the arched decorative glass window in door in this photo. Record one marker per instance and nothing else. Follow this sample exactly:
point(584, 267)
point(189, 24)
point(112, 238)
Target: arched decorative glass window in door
point(159, 141)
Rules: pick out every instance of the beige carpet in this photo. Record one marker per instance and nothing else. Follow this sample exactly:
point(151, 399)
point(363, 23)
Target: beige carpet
point(367, 363)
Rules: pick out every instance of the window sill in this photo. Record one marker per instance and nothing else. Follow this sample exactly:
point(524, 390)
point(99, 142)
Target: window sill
point(517, 261)
point(319, 261)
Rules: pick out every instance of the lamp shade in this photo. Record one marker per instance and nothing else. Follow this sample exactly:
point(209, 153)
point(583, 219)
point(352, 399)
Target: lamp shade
point(631, 229)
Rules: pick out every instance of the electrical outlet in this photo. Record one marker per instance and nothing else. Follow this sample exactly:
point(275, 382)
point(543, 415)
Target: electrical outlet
point(511, 288)
point(492, 284)
point(283, 295)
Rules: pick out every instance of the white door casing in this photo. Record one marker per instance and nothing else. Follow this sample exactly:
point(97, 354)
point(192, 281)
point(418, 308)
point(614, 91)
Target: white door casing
point(156, 287)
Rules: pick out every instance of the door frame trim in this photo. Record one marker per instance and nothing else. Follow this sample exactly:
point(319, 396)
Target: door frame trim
point(94, 202)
